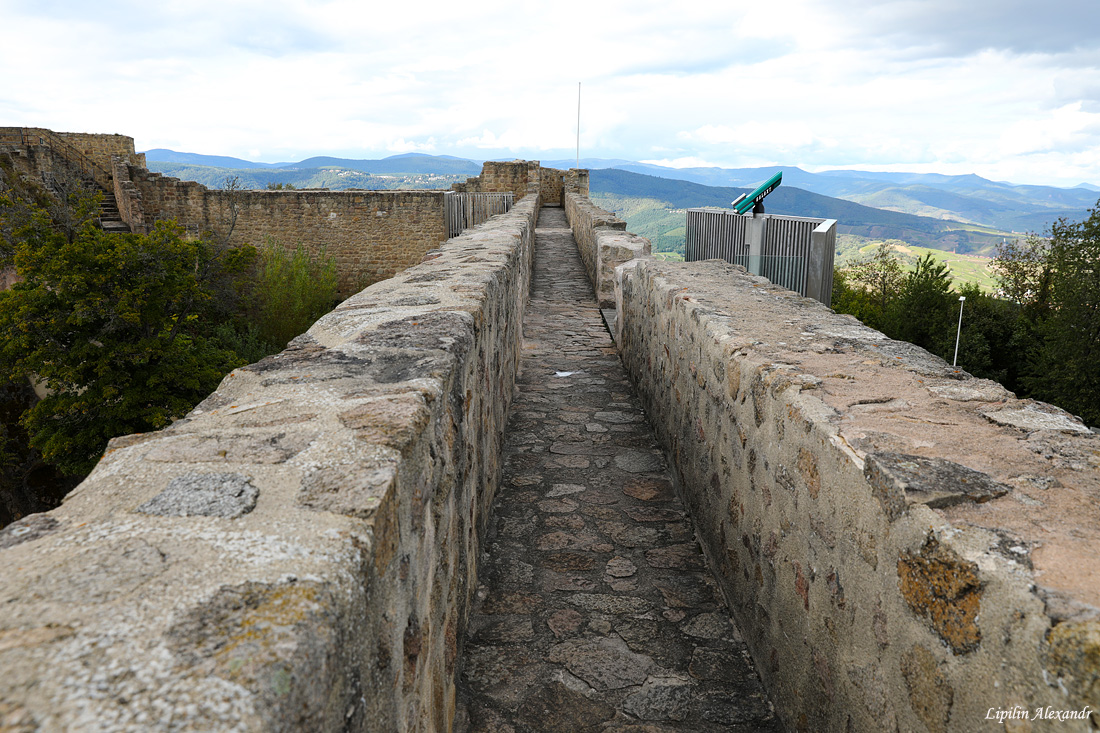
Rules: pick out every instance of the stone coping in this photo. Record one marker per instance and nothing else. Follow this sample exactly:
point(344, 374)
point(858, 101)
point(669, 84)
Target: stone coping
point(299, 551)
point(603, 242)
point(902, 543)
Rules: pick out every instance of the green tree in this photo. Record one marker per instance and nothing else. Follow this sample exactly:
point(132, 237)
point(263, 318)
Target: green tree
point(922, 311)
point(881, 276)
point(1064, 365)
point(853, 299)
point(110, 323)
point(128, 332)
point(1022, 270)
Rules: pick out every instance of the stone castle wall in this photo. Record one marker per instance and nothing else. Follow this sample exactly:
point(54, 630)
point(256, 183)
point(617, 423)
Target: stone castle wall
point(520, 176)
point(371, 234)
point(552, 186)
point(300, 551)
point(516, 177)
point(603, 242)
point(576, 180)
point(102, 148)
point(905, 547)
point(40, 163)
point(72, 149)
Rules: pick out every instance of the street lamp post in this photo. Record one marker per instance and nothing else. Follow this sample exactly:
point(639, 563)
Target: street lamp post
point(958, 334)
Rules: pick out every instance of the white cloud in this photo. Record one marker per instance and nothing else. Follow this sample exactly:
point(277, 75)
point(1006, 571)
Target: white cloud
point(401, 145)
point(688, 162)
point(969, 87)
point(779, 134)
point(1065, 128)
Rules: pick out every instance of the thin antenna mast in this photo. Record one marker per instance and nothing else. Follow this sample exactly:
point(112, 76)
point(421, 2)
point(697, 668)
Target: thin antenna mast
point(578, 124)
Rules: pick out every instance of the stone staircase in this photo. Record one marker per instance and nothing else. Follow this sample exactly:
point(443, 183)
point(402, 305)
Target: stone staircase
point(93, 175)
point(109, 218)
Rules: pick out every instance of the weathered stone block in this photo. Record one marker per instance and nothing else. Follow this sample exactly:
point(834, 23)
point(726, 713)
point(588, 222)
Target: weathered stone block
point(227, 495)
point(940, 585)
point(930, 694)
point(899, 480)
point(1074, 655)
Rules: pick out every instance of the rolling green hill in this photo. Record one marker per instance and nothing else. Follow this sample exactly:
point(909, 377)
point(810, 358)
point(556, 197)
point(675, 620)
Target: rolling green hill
point(652, 207)
point(1005, 206)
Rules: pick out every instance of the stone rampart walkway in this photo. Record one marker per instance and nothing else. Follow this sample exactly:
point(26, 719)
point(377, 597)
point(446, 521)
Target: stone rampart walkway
point(596, 611)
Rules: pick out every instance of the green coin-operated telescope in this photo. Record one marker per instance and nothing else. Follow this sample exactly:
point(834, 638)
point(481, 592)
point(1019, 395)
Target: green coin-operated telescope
point(744, 203)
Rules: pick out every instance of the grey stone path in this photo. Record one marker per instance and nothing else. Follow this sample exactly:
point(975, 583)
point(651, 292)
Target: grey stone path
point(596, 611)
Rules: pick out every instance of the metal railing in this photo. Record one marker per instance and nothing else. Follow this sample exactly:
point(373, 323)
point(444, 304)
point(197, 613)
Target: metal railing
point(792, 251)
point(464, 210)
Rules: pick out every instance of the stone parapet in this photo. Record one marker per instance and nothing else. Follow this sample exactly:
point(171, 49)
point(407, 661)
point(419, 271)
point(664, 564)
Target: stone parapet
point(299, 552)
point(127, 196)
point(905, 547)
point(603, 242)
point(576, 180)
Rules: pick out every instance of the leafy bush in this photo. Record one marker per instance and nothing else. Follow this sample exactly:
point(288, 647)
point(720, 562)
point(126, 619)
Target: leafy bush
point(292, 290)
point(111, 324)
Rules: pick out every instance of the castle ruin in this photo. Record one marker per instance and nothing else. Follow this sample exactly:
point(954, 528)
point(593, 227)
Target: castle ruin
point(901, 545)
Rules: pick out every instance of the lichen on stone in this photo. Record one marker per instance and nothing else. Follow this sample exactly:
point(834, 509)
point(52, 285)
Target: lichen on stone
point(944, 588)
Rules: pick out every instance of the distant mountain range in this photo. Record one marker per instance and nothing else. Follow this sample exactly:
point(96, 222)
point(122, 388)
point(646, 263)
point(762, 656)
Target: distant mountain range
point(966, 212)
point(967, 198)
point(404, 164)
point(653, 207)
point(411, 170)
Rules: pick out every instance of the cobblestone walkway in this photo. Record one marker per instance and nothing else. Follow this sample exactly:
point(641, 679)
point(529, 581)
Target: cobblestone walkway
point(596, 611)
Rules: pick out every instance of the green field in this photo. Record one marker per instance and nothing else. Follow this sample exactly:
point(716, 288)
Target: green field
point(669, 256)
point(964, 268)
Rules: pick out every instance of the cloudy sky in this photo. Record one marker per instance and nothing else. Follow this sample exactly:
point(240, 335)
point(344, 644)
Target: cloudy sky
point(1007, 89)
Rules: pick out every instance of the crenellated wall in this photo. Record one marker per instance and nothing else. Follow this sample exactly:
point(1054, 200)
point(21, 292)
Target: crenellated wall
point(299, 552)
point(904, 546)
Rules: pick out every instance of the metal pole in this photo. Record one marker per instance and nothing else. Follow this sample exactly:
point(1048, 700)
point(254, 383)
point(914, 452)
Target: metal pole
point(958, 334)
point(578, 124)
